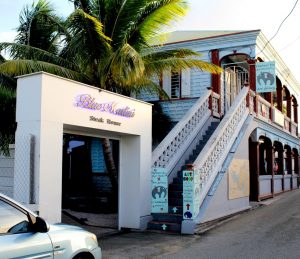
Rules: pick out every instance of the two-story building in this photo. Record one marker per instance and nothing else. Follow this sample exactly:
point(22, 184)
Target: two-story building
point(236, 134)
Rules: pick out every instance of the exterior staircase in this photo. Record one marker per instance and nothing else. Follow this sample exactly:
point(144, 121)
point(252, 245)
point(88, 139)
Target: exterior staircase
point(171, 222)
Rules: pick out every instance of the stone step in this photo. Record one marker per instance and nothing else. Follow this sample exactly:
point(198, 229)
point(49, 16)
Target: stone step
point(175, 194)
point(175, 188)
point(177, 180)
point(175, 201)
point(167, 217)
point(165, 226)
point(175, 210)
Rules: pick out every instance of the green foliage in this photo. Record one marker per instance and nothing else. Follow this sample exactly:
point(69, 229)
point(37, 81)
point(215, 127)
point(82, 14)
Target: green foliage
point(39, 27)
point(104, 43)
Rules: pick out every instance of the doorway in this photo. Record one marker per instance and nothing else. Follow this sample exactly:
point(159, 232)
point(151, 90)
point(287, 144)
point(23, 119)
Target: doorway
point(88, 195)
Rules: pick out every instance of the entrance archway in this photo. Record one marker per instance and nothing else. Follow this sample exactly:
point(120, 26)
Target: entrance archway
point(49, 106)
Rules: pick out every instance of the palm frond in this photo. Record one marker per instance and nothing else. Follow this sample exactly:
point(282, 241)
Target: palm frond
point(88, 39)
point(157, 53)
point(2, 59)
point(126, 20)
point(177, 64)
point(40, 26)
point(160, 15)
point(22, 51)
point(124, 67)
point(7, 82)
point(23, 67)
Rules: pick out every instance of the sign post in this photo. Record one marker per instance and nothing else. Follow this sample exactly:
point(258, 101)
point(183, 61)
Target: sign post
point(191, 194)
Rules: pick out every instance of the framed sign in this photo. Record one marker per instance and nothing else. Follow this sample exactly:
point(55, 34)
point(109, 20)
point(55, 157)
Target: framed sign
point(265, 77)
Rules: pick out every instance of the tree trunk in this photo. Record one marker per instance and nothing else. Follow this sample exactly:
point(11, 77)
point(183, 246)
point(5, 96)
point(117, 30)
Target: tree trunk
point(111, 168)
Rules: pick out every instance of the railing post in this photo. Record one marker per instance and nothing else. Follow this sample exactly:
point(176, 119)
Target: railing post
point(255, 104)
point(248, 98)
point(210, 105)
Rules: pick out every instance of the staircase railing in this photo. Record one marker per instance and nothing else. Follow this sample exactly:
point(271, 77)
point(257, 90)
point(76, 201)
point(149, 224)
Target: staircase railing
point(168, 152)
point(210, 160)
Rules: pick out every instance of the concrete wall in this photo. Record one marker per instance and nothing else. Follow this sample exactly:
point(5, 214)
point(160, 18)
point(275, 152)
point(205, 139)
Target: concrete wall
point(7, 172)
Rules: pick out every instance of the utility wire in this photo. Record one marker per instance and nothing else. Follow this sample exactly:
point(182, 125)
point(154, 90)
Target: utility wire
point(279, 27)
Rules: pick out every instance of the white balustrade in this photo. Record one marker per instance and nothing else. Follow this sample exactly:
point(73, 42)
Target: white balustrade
point(263, 110)
point(294, 128)
point(251, 101)
point(287, 121)
point(215, 104)
point(168, 152)
point(213, 155)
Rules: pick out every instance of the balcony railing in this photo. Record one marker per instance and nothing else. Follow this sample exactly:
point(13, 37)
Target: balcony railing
point(265, 111)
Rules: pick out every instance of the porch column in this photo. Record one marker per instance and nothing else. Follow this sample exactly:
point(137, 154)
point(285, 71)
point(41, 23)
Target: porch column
point(296, 164)
point(280, 165)
point(254, 170)
point(279, 97)
point(289, 166)
point(295, 110)
point(252, 80)
point(270, 169)
point(216, 78)
point(289, 108)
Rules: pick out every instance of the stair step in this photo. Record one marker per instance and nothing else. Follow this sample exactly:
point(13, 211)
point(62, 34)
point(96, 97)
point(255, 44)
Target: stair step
point(175, 188)
point(177, 180)
point(175, 194)
point(165, 226)
point(167, 217)
point(175, 201)
point(176, 209)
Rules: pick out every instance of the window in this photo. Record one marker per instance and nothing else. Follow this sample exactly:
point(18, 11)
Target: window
point(12, 220)
point(175, 85)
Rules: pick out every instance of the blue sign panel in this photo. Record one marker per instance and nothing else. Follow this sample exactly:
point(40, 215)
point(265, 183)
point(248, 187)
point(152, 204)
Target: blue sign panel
point(265, 77)
point(159, 190)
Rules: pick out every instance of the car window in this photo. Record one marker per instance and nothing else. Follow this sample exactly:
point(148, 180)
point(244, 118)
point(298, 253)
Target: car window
point(12, 220)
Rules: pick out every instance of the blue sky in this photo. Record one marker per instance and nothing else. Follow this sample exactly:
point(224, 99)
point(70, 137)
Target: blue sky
point(205, 15)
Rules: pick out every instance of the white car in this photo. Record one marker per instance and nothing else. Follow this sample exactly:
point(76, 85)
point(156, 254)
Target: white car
point(23, 234)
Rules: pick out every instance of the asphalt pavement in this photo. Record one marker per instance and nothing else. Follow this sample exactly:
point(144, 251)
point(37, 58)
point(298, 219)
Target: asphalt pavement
point(269, 231)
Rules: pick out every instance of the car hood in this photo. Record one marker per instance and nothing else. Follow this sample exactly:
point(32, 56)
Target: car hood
point(60, 226)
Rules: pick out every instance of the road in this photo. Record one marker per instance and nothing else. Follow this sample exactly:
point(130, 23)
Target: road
point(271, 231)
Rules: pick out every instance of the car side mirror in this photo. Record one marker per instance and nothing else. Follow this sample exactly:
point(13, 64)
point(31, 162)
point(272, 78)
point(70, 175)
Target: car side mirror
point(40, 225)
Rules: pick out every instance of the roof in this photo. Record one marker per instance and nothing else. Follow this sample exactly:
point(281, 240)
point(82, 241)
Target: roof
point(181, 36)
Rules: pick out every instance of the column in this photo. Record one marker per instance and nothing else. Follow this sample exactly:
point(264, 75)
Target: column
point(216, 78)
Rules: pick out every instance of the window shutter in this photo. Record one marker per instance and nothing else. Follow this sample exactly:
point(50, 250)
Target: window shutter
point(186, 83)
point(167, 82)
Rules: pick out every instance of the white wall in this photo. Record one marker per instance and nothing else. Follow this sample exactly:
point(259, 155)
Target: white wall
point(46, 107)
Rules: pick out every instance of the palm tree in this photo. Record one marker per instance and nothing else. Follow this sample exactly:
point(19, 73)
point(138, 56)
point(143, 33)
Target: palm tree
point(39, 28)
point(108, 44)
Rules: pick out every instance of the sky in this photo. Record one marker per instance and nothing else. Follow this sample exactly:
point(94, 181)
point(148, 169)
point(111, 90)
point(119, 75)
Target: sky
point(266, 15)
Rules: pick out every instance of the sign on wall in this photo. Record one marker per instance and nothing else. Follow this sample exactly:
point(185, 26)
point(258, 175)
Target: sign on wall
point(238, 179)
point(191, 194)
point(265, 77)
point(159, 190)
